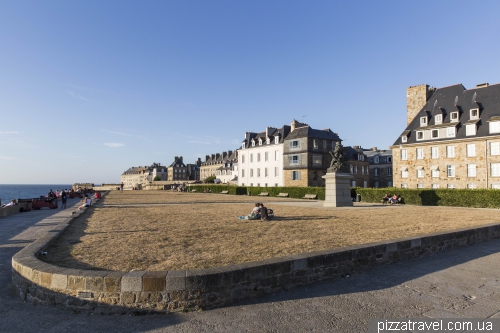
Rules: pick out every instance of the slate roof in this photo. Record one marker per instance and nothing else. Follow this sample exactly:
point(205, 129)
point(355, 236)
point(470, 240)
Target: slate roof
point(307, 131)
point(487, 99)
point(272, 132)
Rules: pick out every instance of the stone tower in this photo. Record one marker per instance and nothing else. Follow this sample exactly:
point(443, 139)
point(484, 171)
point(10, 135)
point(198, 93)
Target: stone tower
point(416, 97)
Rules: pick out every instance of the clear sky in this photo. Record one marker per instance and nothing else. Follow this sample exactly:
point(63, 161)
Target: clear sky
point(91, 88)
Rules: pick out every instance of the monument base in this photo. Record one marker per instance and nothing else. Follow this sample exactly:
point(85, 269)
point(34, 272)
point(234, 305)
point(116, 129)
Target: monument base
point(337, 189)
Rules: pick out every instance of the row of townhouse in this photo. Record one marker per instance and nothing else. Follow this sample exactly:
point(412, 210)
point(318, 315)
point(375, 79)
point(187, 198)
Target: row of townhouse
point(452, 138)
point(136, 177)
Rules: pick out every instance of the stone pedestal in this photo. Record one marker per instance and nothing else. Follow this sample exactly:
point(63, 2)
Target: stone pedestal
point(337, 189)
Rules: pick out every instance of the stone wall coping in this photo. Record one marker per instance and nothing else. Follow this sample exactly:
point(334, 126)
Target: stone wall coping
point(233, 280)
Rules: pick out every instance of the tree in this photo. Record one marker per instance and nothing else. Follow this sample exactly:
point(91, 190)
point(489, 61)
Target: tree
point(157, 178)
point(210, 179)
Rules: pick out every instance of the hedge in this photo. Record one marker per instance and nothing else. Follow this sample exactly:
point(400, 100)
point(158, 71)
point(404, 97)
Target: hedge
point(293, 192)
point(474, 198)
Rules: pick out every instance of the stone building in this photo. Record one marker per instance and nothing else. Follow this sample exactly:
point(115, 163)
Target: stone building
point(261, 158)
point(380, 167)
point(177, 171)
point(136, 177)
point(193, 170)
point(306, 155)
point(214, 162)
point(452, 139)
point(358, 166)
point(228, 171)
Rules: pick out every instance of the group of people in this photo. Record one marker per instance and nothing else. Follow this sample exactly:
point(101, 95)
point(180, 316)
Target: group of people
point(391, 200)
point(259, 212)
point(10, 203)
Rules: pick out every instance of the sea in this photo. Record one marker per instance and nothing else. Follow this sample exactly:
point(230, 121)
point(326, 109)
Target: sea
point(9, 192)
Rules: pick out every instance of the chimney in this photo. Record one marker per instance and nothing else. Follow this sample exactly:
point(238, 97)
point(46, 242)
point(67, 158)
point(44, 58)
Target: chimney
point(416, 98)
point(294, 123)
point(176, 158)
point(217, 155)
point(374, 149)
point(207, 157)
point(180, 157)
point(229, 153)
point(224, 155)
point(213, 156)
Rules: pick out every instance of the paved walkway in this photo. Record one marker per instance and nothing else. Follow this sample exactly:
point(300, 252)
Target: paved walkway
point(463, 282)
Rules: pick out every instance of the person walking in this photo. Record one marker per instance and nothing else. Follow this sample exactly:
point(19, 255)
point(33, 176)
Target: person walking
point(64, 198)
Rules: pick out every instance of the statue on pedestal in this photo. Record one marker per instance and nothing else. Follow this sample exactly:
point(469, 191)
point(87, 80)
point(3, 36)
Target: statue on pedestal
point(337, 164)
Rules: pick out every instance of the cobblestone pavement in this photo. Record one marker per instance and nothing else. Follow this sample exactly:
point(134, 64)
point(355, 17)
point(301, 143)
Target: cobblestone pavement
point(463, 282)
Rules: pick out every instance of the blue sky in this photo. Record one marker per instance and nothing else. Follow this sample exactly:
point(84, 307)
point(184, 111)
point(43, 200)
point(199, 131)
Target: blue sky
point(91, 88)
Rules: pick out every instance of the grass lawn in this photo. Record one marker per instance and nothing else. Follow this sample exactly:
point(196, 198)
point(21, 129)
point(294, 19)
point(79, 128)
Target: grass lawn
point(160, 230)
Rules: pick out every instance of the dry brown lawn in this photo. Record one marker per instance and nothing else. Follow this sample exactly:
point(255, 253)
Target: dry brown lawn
point(186, 231)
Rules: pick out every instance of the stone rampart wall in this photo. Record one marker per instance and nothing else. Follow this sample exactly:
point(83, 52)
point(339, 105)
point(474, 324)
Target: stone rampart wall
point(168, 291)
point(6, 211)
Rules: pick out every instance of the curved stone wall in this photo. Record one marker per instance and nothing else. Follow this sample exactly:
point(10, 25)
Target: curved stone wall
point(168, 291)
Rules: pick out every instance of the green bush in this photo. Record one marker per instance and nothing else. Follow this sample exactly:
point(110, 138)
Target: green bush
point(209, 179)
point(475, 198)
point(293, 192)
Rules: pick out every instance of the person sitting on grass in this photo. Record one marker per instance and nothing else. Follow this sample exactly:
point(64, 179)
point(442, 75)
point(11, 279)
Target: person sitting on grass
point(394, 199)
point(254, 215)
point(86, 202)
point(263, 212)
point(385, 199)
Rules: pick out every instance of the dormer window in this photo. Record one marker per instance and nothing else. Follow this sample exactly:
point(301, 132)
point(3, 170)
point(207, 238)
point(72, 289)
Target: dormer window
point(438, 119)
point(435, 134)
point(474, 114)
point(243, 146)
point(376, 159)
point(470, 129)
point(253, 143)
point(451, 132)
point(404, 138)
point(260, 142)
point(277, 140)
point(315, 144)
point(494, 127)
point(454, 117)
point(268, 141)
point(423, 121)
point(420, 135)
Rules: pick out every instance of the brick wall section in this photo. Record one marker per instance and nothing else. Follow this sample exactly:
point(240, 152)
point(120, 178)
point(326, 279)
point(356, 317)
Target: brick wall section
point(169, 291)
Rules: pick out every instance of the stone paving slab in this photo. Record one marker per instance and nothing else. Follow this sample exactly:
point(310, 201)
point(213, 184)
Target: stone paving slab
point(462, 282)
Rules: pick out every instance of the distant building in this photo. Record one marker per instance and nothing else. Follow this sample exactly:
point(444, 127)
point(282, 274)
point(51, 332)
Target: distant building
point(193, 170)
point(380, 167)
point(358, 166)
point(226, 172)
point(216, 162)
point(177, 171)
point(136, 177)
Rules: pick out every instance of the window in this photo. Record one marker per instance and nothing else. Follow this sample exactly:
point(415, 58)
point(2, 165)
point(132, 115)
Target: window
point(434, 172)
point(251, 158)
point(435, 186)
point(353, 183)
point(495, 186)
point(434, 152)
point(404, 154)
point(266, 173)
point(324, 144)
point(268, 141)
point(251, 172)
point(450, 132)
point(260, 142)
point(471, 186)
point(242, 158)
point(420, 135)
point(494, 127)
point(351, 168)
point(420, 153)
point(295, 144)
point(277, 140)
point(389, 159)
point(420, 185)
point(495, 169)
point(355, 169)
point(423, 121)
point(404, 138)
point(276, 155)
point(450, 185)
point(361, 157)
point(375, 172)
point(377, 184)
point(258, 172)
point(317, 160)
point(389, 184)
point(376, 159)
point(276, 172)
point(450, 170)
point(438, 119)
point(420, 172)
point(315, 144)
point(435, 134)
point(494, 148)
point(471, 170)
point(258, 157)
point(454, 117)
point(295, 175)
point(242, 146)
point(450, 151)
point(253, 143)
point(404, 173)
point(295, 159)
point(266, 156)
point(474, 113)
point(404, 185)
point(471, 150)
point(389, 172)
point(470, 129)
